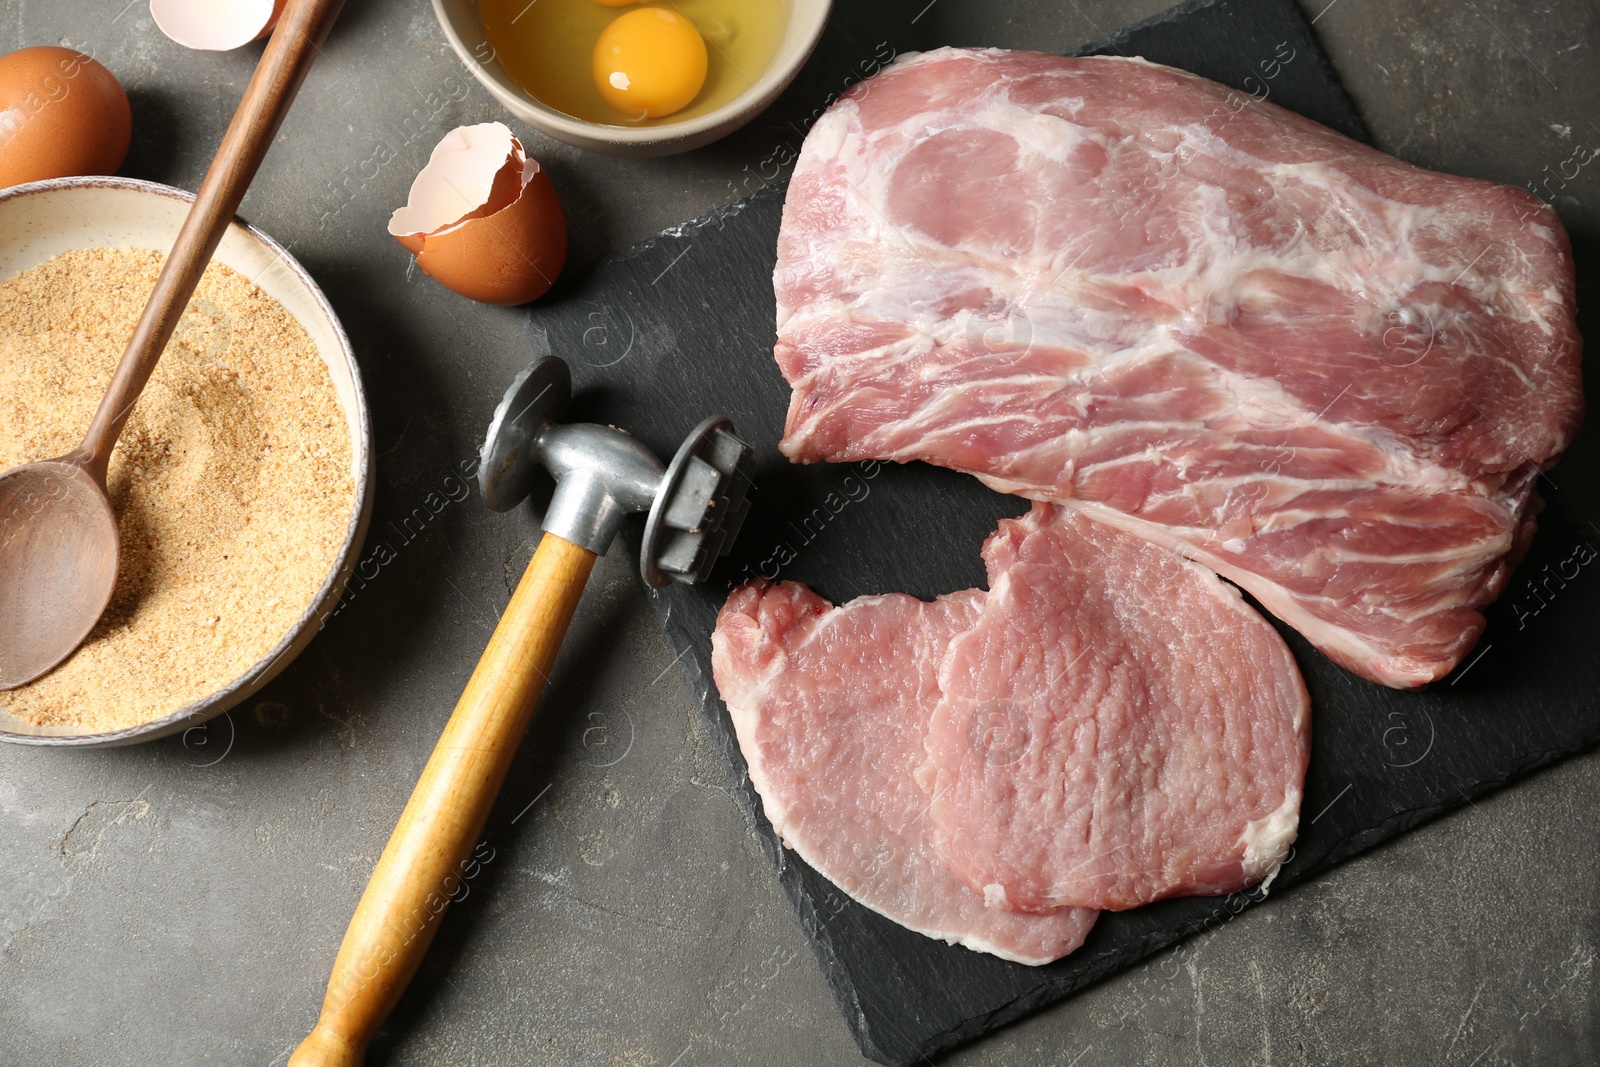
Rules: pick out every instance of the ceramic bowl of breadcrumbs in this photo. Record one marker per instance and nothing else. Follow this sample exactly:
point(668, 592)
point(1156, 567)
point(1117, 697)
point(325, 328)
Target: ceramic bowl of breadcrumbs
point(242, 482)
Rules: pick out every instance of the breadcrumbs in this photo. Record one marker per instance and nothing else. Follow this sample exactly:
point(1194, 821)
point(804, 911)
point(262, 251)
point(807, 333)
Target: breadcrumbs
point(231, 481)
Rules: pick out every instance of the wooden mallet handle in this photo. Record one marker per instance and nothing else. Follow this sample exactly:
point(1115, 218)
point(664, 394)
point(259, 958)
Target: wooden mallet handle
point(432, 845)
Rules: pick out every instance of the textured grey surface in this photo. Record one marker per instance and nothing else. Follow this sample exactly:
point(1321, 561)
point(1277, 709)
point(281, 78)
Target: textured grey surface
point(181, 902)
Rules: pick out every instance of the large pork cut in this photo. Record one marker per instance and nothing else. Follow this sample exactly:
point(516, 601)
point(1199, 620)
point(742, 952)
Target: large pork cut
point(1328, 375)
point(831, 706)
point(1117, 726)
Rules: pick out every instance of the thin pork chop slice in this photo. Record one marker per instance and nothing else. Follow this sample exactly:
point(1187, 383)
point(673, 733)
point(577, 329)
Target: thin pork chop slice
point(1116, 727)
point(830, 706)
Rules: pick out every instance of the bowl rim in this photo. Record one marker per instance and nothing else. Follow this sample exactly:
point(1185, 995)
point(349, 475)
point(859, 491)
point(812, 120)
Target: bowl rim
point(563, 126)
point(279, 656)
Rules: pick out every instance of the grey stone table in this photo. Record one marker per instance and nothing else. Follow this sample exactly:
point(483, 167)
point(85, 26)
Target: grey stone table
point(180, 902)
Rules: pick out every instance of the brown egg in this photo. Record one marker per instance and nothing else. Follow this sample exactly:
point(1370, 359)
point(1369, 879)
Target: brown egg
point(483, 219)
point(61, 114)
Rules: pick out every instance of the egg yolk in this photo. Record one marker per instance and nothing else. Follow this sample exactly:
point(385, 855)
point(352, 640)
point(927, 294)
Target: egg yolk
point(650, 62)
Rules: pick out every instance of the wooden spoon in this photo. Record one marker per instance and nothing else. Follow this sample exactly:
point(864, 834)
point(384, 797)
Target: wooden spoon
point(58, 532)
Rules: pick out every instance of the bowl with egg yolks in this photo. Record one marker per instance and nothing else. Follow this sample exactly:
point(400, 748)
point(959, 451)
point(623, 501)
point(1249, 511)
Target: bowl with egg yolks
point(634, 77)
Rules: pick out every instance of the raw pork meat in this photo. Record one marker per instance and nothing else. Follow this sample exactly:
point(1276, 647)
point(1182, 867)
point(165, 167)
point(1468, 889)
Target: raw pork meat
point(1329, 375)
point(830, 706)
point(1109, 725)
point(1116, 727)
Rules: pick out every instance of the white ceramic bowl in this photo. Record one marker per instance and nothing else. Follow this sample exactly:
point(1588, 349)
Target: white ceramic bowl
point(39, 220)
point(463, 25)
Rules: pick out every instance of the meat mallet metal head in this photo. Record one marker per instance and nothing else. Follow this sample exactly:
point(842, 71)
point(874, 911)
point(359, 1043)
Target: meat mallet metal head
point(696, 503)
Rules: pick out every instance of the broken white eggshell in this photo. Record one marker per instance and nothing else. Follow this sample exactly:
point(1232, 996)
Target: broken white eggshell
point(216, 25)
point(483, 219)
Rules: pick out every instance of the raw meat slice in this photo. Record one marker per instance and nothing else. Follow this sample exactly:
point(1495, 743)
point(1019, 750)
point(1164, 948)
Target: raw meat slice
point(1117, 726)
point(1329, 375)
point(830, 706)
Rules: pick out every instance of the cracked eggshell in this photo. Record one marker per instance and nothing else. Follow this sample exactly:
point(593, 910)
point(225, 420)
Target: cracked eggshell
point(216, 25)
point(483, 219)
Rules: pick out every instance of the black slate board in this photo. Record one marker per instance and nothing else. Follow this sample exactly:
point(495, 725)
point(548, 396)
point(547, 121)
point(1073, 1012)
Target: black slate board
point(682, 326)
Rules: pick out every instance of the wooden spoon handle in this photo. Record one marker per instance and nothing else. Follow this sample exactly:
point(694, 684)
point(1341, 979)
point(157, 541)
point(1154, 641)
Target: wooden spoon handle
point(288, 56)
point(432, 845)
